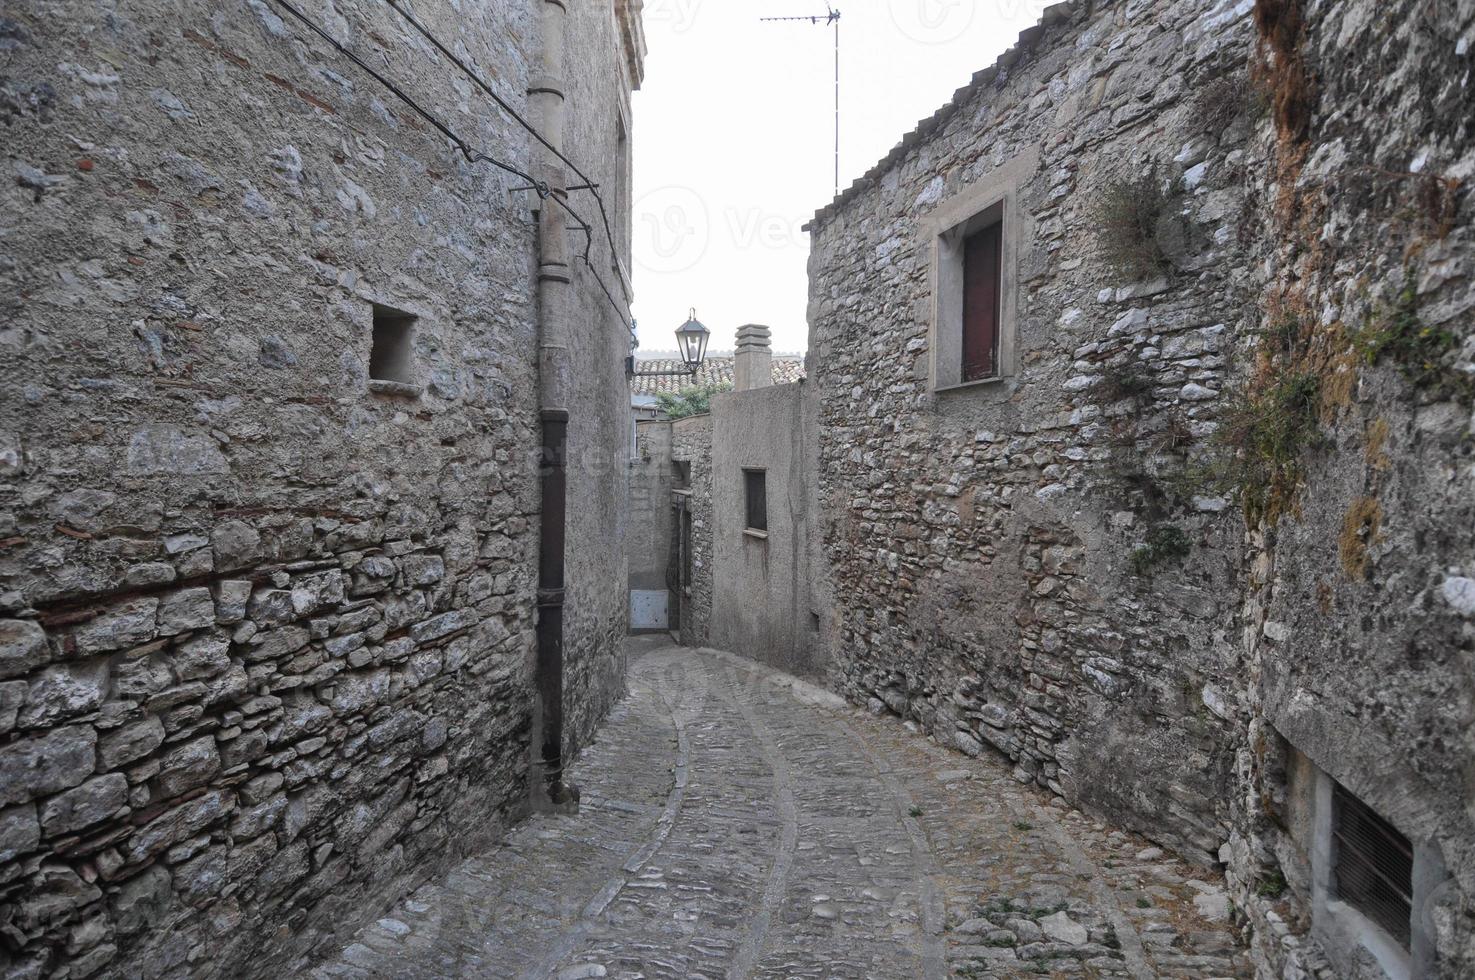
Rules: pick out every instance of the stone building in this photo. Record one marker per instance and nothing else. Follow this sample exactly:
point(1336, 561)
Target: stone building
point(725, 517)
point(274, 359)
point(1144, 381)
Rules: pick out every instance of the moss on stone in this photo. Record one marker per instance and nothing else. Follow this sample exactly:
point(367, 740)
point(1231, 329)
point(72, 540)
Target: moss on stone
point(1396, 333)
point(1360, 529)
point(1165, 543)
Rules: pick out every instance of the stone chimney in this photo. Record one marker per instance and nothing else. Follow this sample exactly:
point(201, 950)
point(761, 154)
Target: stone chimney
point(752, 365)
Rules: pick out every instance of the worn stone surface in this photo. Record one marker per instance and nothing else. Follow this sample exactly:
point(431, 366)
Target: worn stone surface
point(739, 823)
point(226, 560)
point(22, 647)
point(93, 801)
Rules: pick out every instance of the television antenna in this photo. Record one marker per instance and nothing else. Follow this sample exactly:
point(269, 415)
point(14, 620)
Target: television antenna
point(832, 16)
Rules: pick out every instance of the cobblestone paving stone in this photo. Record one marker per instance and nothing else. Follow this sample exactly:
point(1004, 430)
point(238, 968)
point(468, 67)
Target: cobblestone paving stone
point(738, 823)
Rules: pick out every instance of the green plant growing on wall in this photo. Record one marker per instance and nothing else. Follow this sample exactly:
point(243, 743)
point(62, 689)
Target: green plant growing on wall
point(1271, 885)
point(696, 400)
point(1396, 333)
point(1285, 333)
point(1122, 382)
point(1128, 215)
point(1224, 100)
point(1165, 543)
point(1265, 436)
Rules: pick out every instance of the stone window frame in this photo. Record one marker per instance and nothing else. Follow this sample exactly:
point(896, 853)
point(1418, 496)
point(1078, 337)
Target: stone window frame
point(992, 197)
point(1342, 929)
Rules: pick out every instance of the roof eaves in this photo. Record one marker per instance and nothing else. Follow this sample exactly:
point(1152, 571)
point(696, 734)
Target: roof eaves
point(1049, 17)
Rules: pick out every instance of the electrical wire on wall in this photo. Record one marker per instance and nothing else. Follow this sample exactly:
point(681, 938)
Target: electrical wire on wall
point(481, 83)
point(474, 155)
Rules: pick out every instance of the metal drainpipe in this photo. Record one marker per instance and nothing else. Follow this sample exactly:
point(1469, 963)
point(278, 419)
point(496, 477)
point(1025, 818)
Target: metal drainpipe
point(555, 298)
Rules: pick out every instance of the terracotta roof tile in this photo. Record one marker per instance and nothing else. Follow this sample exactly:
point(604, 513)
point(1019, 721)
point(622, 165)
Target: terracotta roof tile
point(714, 370)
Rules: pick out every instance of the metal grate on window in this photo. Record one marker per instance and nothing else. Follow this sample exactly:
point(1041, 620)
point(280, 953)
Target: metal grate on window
point(755, 487)
point(1373, 865)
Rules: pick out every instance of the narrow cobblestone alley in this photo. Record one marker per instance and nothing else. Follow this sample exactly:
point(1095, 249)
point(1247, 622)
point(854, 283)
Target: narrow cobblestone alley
point(739, 823)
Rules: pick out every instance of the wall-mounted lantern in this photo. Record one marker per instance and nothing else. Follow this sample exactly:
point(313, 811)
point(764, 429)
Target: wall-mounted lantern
point(691, 341)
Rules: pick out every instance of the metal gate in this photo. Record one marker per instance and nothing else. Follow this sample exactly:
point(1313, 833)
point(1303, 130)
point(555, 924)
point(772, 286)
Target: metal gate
point(648, 609)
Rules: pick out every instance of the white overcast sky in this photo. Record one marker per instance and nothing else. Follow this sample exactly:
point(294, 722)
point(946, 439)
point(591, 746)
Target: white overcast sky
point(734, 140)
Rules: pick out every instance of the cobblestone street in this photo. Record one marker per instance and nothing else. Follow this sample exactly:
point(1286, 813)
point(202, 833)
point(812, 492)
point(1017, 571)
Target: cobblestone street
point(738, 823)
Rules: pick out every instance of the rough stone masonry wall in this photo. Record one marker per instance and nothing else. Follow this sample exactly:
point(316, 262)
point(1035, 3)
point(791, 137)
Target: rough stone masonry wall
point(981, 541)
point(691, 442)
point(1358, 635)
point(1325, 251)
point(265, 654)
point(596, 613)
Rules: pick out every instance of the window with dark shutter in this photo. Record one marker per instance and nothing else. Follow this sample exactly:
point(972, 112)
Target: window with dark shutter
point(755, 488)
point(1373, 865)
point(982, 270)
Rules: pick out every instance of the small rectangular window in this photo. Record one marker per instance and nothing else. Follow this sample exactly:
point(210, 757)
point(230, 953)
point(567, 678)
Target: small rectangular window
point(982, 272)
point(682, 473)
point(391, 357)
point(755, 490)
point(1372, 865)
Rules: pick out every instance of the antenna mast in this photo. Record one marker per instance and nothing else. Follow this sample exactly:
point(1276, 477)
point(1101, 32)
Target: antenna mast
point(832, 17)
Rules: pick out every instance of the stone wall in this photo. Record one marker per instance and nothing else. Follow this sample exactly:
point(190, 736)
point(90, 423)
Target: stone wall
point(691, 443)
point(601, 67)
point(266, 659)
point(1057, 564)
point(1358, 635)
point(765, 603)
point(984, 540)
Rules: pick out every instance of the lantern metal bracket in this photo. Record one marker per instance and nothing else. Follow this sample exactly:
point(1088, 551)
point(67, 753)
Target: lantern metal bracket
point(691, 338)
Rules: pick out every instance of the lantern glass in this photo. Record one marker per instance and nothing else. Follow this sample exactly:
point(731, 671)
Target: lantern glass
point(691, 340)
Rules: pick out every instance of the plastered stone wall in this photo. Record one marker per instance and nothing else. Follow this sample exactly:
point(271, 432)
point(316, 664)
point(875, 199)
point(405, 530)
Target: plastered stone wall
point(765, 601)
point(265, 657)
point(651, 480)
point(984, 541)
